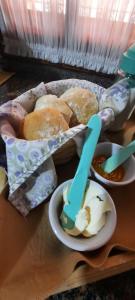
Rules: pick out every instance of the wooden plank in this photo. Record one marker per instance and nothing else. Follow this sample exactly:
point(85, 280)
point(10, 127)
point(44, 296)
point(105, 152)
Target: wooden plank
point(85, 274)
point(4, 76)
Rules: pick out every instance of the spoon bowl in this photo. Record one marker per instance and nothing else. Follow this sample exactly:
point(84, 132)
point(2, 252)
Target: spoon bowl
point(80, 243)
point(118, 158)
point(108, 149)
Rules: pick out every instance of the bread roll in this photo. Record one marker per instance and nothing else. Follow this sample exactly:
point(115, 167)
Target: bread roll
point(44, 101)
point(82, 102)
point(43, 123)
point(51, 101)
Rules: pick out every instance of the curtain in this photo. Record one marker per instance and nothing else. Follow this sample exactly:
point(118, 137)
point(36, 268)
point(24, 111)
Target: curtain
point(86, 33)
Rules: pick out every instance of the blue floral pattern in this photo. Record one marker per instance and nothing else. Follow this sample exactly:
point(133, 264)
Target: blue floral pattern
point(116, 97)
point(36, 188)
point(31, 172)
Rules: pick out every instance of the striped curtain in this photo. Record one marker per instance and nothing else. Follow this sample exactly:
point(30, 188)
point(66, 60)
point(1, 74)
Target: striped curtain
point(91, 34)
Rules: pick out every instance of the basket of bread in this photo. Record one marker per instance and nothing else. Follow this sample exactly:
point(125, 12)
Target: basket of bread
point(45, 126)
point(53, 115)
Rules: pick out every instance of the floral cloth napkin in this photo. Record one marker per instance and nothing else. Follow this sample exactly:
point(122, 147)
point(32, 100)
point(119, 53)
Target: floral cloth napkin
point(31, 172)
point(121, 98)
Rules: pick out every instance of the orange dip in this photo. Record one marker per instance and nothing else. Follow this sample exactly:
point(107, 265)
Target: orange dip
point(116, 175)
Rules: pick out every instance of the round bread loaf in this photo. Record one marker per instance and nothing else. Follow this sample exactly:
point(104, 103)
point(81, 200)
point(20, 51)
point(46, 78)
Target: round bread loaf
point(44, 123)
point(82, 102)
point(51, 101)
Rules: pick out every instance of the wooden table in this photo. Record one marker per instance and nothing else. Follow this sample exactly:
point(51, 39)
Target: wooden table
point(83, 274)
point(118, 261)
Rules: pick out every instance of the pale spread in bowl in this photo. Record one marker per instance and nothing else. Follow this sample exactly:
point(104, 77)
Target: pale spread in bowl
point(92, 215)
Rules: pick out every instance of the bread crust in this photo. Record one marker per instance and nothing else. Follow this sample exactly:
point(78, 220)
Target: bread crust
point(51, 101)
point(44, 123)
point(82, 102)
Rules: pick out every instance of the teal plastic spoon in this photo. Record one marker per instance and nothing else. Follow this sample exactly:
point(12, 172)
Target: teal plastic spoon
point(78, 186)
point(118, 158)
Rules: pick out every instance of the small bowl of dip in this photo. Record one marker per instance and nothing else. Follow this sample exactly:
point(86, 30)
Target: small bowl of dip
point(101, 221)
point(123, 175)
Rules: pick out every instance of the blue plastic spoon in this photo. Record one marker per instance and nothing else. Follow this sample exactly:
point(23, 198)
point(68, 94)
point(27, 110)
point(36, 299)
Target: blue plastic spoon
point(118, 158)
point(78, 186)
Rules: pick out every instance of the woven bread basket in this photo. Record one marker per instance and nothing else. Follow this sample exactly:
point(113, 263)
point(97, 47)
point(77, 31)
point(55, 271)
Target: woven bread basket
point(29, 98)
point(68, 150)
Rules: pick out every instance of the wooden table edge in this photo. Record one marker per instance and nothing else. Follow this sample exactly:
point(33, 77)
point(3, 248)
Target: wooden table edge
point(85, 274)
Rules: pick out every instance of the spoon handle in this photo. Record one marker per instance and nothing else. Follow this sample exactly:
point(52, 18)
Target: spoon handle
point(78, 186)
point(118, 158)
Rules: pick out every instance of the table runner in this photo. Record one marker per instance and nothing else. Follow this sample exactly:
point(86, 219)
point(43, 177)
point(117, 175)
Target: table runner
point(34, 263)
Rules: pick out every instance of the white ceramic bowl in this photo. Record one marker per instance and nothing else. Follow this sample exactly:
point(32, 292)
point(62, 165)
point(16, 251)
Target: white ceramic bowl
point(107, 149)
point(80, 243)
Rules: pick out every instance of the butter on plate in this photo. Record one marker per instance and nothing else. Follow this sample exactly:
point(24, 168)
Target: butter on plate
point(92, 216)
point(3, 179)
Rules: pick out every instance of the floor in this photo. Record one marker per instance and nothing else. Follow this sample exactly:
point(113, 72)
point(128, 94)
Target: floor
point(27, 75)
point(120, 287)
